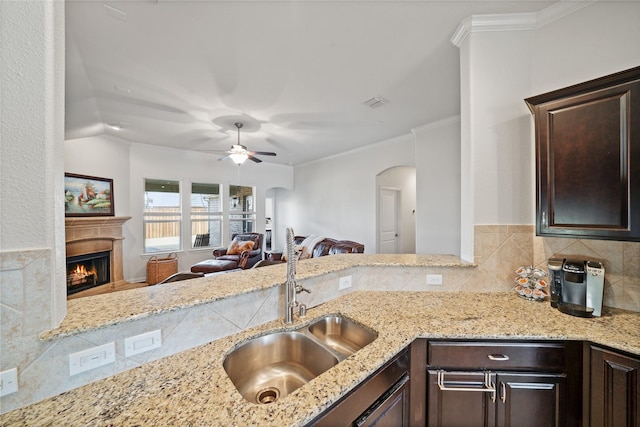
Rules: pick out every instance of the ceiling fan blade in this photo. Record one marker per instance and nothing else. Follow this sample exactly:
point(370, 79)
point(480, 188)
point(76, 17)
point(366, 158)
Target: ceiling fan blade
point(263, 153)
point(255, 159)
point(224, 157)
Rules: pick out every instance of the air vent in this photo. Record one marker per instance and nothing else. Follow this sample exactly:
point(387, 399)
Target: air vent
point(375, 102)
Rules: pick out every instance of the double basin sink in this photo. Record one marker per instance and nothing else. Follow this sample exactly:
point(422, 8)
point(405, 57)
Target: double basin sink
point(267, 368)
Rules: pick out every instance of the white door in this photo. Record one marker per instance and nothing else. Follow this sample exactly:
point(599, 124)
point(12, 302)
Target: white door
point(388, 221)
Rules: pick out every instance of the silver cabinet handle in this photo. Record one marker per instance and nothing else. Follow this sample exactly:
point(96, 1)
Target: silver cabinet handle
point(544, 218)
point(503, 392)
point(488, 386)
point(498, 357)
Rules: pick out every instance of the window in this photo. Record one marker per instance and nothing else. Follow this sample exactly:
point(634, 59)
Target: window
point(162, 216)
point(242, 216)
point(206, 215)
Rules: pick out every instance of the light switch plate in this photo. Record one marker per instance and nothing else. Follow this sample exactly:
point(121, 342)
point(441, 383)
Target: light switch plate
point(344, 283)
point(8, 381)
point(92, 358)
point(143, 342)
point(434, 279)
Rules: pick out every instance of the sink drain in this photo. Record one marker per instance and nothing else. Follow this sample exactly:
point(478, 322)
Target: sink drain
point(268, 395)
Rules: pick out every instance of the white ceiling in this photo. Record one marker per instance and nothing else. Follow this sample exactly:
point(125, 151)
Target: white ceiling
point(295, 73)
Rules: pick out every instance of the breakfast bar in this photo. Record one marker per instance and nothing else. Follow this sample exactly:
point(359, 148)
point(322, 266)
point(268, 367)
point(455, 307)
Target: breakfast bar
point(192, 388)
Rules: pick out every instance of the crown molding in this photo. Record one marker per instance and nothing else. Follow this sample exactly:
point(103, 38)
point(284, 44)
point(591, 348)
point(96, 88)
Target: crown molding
point(516, 21)
point(559, 10)
point(437, 124)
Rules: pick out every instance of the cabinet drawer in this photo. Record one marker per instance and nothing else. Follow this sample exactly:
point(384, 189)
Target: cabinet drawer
point(495, 355)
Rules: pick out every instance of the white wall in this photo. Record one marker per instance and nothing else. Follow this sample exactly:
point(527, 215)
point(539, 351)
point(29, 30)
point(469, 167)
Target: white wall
point(597, 40)
point(500, 132)
point(438, 186)
point(499, 69)
point(336, 197)
point(130, 163)
point(31, 135)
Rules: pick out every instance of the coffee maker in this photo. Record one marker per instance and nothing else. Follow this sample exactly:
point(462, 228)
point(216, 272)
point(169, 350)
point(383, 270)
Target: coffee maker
point(576, 286)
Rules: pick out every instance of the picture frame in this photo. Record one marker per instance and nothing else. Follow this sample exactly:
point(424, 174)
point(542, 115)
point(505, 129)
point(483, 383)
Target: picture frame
point(87, 196)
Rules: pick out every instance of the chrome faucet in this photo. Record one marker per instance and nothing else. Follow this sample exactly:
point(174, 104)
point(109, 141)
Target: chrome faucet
point(291, 288)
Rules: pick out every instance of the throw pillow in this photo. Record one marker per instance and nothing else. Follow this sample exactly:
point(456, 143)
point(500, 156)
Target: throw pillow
point(239, 246)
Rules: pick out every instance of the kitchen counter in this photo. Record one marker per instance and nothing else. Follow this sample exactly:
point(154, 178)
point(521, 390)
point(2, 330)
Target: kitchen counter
point(192, 388)
point(121, 307)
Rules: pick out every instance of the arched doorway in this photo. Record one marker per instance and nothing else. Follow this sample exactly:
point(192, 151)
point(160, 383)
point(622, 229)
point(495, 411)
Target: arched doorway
point(395, 219)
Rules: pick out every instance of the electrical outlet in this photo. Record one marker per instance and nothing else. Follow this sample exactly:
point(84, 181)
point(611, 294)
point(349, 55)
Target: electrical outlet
point(141, 343)
point(434, 279)
point(92, 358)
point(8, 381)
point(344, 283)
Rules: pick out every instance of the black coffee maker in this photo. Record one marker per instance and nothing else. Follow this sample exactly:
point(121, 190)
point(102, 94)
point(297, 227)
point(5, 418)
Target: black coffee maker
point(576, 286)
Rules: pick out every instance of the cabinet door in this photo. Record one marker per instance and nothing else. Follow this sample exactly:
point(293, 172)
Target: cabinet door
point(456, 406)
point(529, 400)
point(614, 389)
point(373, 393)
point(391, 411)
point(588, 159)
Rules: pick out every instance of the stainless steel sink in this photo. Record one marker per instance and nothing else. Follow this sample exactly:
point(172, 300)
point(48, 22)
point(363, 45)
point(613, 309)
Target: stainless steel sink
point(341, 334)
point(270, 367)
point(267, 368)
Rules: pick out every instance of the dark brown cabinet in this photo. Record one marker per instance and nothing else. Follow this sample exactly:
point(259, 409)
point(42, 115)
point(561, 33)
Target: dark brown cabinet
point(614, 389)
point(392, 409)
point(588, 159)
point(492, 383)
point(495, 399)
point(530, 399)
point(381, 400)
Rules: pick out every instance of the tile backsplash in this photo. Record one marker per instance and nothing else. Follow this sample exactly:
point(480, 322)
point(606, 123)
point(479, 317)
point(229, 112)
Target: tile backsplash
point(500, 249)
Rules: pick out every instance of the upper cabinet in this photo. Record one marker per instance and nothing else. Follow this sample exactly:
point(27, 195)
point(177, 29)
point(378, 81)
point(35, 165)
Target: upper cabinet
point(588, 159)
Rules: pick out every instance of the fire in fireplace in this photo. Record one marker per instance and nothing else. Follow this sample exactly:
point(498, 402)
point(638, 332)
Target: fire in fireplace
point(88, 271)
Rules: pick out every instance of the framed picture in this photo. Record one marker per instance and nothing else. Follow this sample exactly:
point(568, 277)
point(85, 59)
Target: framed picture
point(87, 195)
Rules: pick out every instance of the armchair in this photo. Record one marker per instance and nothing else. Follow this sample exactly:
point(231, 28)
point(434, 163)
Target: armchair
point(245, 255)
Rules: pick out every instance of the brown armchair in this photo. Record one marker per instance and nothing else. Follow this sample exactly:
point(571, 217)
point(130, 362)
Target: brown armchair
point(239, 252)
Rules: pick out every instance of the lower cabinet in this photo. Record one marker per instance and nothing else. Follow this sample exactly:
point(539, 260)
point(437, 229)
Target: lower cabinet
point(614, 389)
point(392, 409)
point(459, 383)
point(502, 384)
point(530, 399)
point(381, 400)
point(494, 399)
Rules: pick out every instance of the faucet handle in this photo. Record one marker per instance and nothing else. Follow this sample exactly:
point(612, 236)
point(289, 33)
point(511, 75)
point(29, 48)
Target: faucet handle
point(299, 289)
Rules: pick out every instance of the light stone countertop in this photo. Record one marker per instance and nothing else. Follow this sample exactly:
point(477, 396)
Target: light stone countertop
point(192, 388)
point(120, 307)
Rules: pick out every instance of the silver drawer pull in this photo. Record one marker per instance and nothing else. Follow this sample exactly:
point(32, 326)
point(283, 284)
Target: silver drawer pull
point(498, 357)
point(488, 386)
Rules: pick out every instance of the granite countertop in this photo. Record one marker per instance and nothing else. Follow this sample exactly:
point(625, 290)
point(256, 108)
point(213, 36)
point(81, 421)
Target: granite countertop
point(120, 307)
point(192, 388)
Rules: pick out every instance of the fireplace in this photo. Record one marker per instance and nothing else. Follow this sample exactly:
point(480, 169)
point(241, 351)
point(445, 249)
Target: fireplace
point(94, 253)
point(88, 271)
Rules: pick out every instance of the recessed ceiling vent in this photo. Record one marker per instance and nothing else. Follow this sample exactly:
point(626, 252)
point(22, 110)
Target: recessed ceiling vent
point(375, 102)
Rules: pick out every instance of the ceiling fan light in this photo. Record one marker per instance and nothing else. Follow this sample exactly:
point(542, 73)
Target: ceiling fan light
point(238, 158)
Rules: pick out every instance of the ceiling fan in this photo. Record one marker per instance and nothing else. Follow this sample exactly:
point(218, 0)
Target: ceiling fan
point(239, 152)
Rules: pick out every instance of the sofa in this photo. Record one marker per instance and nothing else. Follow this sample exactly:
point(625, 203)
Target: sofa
point(329, 246)
point(326, 246)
